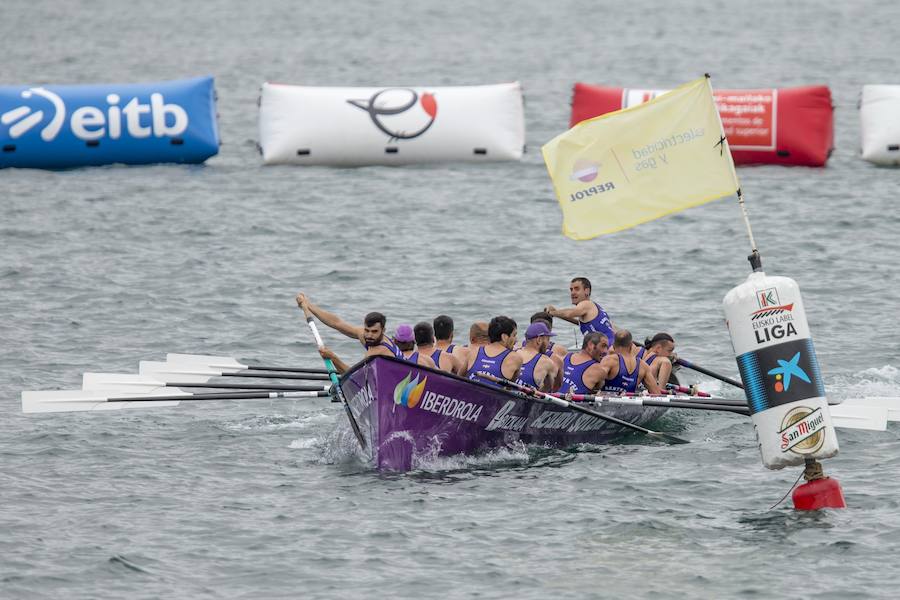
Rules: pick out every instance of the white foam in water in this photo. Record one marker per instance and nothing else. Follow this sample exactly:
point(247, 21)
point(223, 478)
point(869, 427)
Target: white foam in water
point(874, 381)
point(304, 444)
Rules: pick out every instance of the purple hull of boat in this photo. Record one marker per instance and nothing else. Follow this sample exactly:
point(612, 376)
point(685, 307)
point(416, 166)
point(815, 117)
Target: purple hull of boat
point(407, 412)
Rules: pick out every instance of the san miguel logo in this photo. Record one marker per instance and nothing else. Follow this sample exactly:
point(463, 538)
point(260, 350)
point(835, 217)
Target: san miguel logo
point(89, 123)
point(400, 113)
point(773, 320)
point(802, 430)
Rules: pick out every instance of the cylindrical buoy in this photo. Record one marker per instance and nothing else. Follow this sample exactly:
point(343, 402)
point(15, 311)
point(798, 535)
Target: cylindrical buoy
point(819, 491)
point(778, 366)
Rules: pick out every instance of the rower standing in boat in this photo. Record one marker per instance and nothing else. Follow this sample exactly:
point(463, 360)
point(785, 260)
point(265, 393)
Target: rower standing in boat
point(538, 369)
point(582, 373)
point(622, 371)
point(405, 340)
point(656, 353)
point(426, 345)
point(587, 314)
point(497, 357)
point(370, 335)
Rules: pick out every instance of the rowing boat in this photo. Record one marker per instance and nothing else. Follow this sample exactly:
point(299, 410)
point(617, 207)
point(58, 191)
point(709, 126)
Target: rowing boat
point(408, 413)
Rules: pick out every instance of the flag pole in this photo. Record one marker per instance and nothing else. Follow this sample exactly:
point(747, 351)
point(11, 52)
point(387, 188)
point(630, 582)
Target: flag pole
point(754, 257)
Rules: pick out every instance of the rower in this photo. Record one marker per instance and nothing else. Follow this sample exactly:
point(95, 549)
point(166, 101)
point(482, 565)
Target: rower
point(582, 373)
point(370, 335)
point(478, 337)
point(587, 314)
point(656, 353)
point(497, 357)
point(538, 370)
point(622, 371)
point(405, 340)
point(443, 334)
point(557, 351)
point(426, 345)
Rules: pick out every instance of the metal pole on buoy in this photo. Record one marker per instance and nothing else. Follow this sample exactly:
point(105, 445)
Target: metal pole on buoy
point(782, 381)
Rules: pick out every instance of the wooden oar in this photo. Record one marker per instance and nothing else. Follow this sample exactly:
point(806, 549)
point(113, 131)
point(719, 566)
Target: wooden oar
point(126, 382)
point(233, 364)
point(88, 400)
point(332, 373)
point(540, 396)
point(713, 374)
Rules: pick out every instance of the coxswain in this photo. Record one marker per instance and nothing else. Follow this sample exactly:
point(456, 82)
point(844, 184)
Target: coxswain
point(622, 371)
point(538, 369)
point(426, 345)
point(405, 340)
point(370, 335)
point(657, 353)
point(497, 357)
point(587, 314)
point(582, 373)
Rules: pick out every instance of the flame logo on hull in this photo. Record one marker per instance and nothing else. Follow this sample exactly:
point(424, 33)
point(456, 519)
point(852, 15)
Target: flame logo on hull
point(409, 391)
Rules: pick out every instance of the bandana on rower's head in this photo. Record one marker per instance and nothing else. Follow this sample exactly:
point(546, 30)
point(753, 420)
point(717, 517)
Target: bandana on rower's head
point(404, 333)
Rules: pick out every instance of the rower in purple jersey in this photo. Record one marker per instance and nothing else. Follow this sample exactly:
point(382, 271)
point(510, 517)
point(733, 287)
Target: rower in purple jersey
point(425, 343)
point(443, 336)
point(582, 373)
point(497, 357)
point(587, 314)
point(538, 370)
point(622, 371)
point(370, 335)
point(405, 340)
point(657, 353)
point(557, 350)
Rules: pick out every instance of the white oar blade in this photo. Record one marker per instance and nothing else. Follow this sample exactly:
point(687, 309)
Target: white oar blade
point(892, 404)
point(211, 362)
point(121, 382)
point(178, 373)
point(859, 417)
point(88, 400)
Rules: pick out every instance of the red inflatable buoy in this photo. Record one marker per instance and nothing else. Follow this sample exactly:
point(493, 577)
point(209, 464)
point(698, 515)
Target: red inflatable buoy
point(819, 493)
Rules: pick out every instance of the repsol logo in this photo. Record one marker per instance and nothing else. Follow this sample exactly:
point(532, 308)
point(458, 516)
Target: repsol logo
point(88, 123)
point(592, 191)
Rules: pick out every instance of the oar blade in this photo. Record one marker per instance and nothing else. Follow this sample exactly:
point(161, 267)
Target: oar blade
point(181, 373)
point(891, 404)
point(120, 382)
point(87, 400)
point(206, 360)
point(668, 437)
point(851, 416)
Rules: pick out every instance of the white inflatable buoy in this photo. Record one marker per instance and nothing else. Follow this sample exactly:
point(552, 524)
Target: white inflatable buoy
point(778, 366)
point(391, 125)
point(879, 115)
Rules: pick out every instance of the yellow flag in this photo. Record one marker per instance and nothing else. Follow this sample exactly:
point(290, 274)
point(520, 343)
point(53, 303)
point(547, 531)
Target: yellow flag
point(631, 166)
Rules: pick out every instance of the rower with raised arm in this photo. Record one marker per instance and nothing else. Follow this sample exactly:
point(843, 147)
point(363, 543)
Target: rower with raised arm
point(622, 371)
point(538, 370)
point(582, 373)
point(587, 314)
point(370, 335)
point(657, 353)
point(425, 343)
point(405, 340)
point(497, 358)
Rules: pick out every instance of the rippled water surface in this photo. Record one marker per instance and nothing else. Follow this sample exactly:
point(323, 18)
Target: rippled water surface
point(102, 267)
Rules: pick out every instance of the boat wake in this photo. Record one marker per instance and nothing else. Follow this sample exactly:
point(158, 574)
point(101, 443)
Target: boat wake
point(874, 381)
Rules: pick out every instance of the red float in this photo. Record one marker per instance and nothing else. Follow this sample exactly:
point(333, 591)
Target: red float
point(788, 126)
